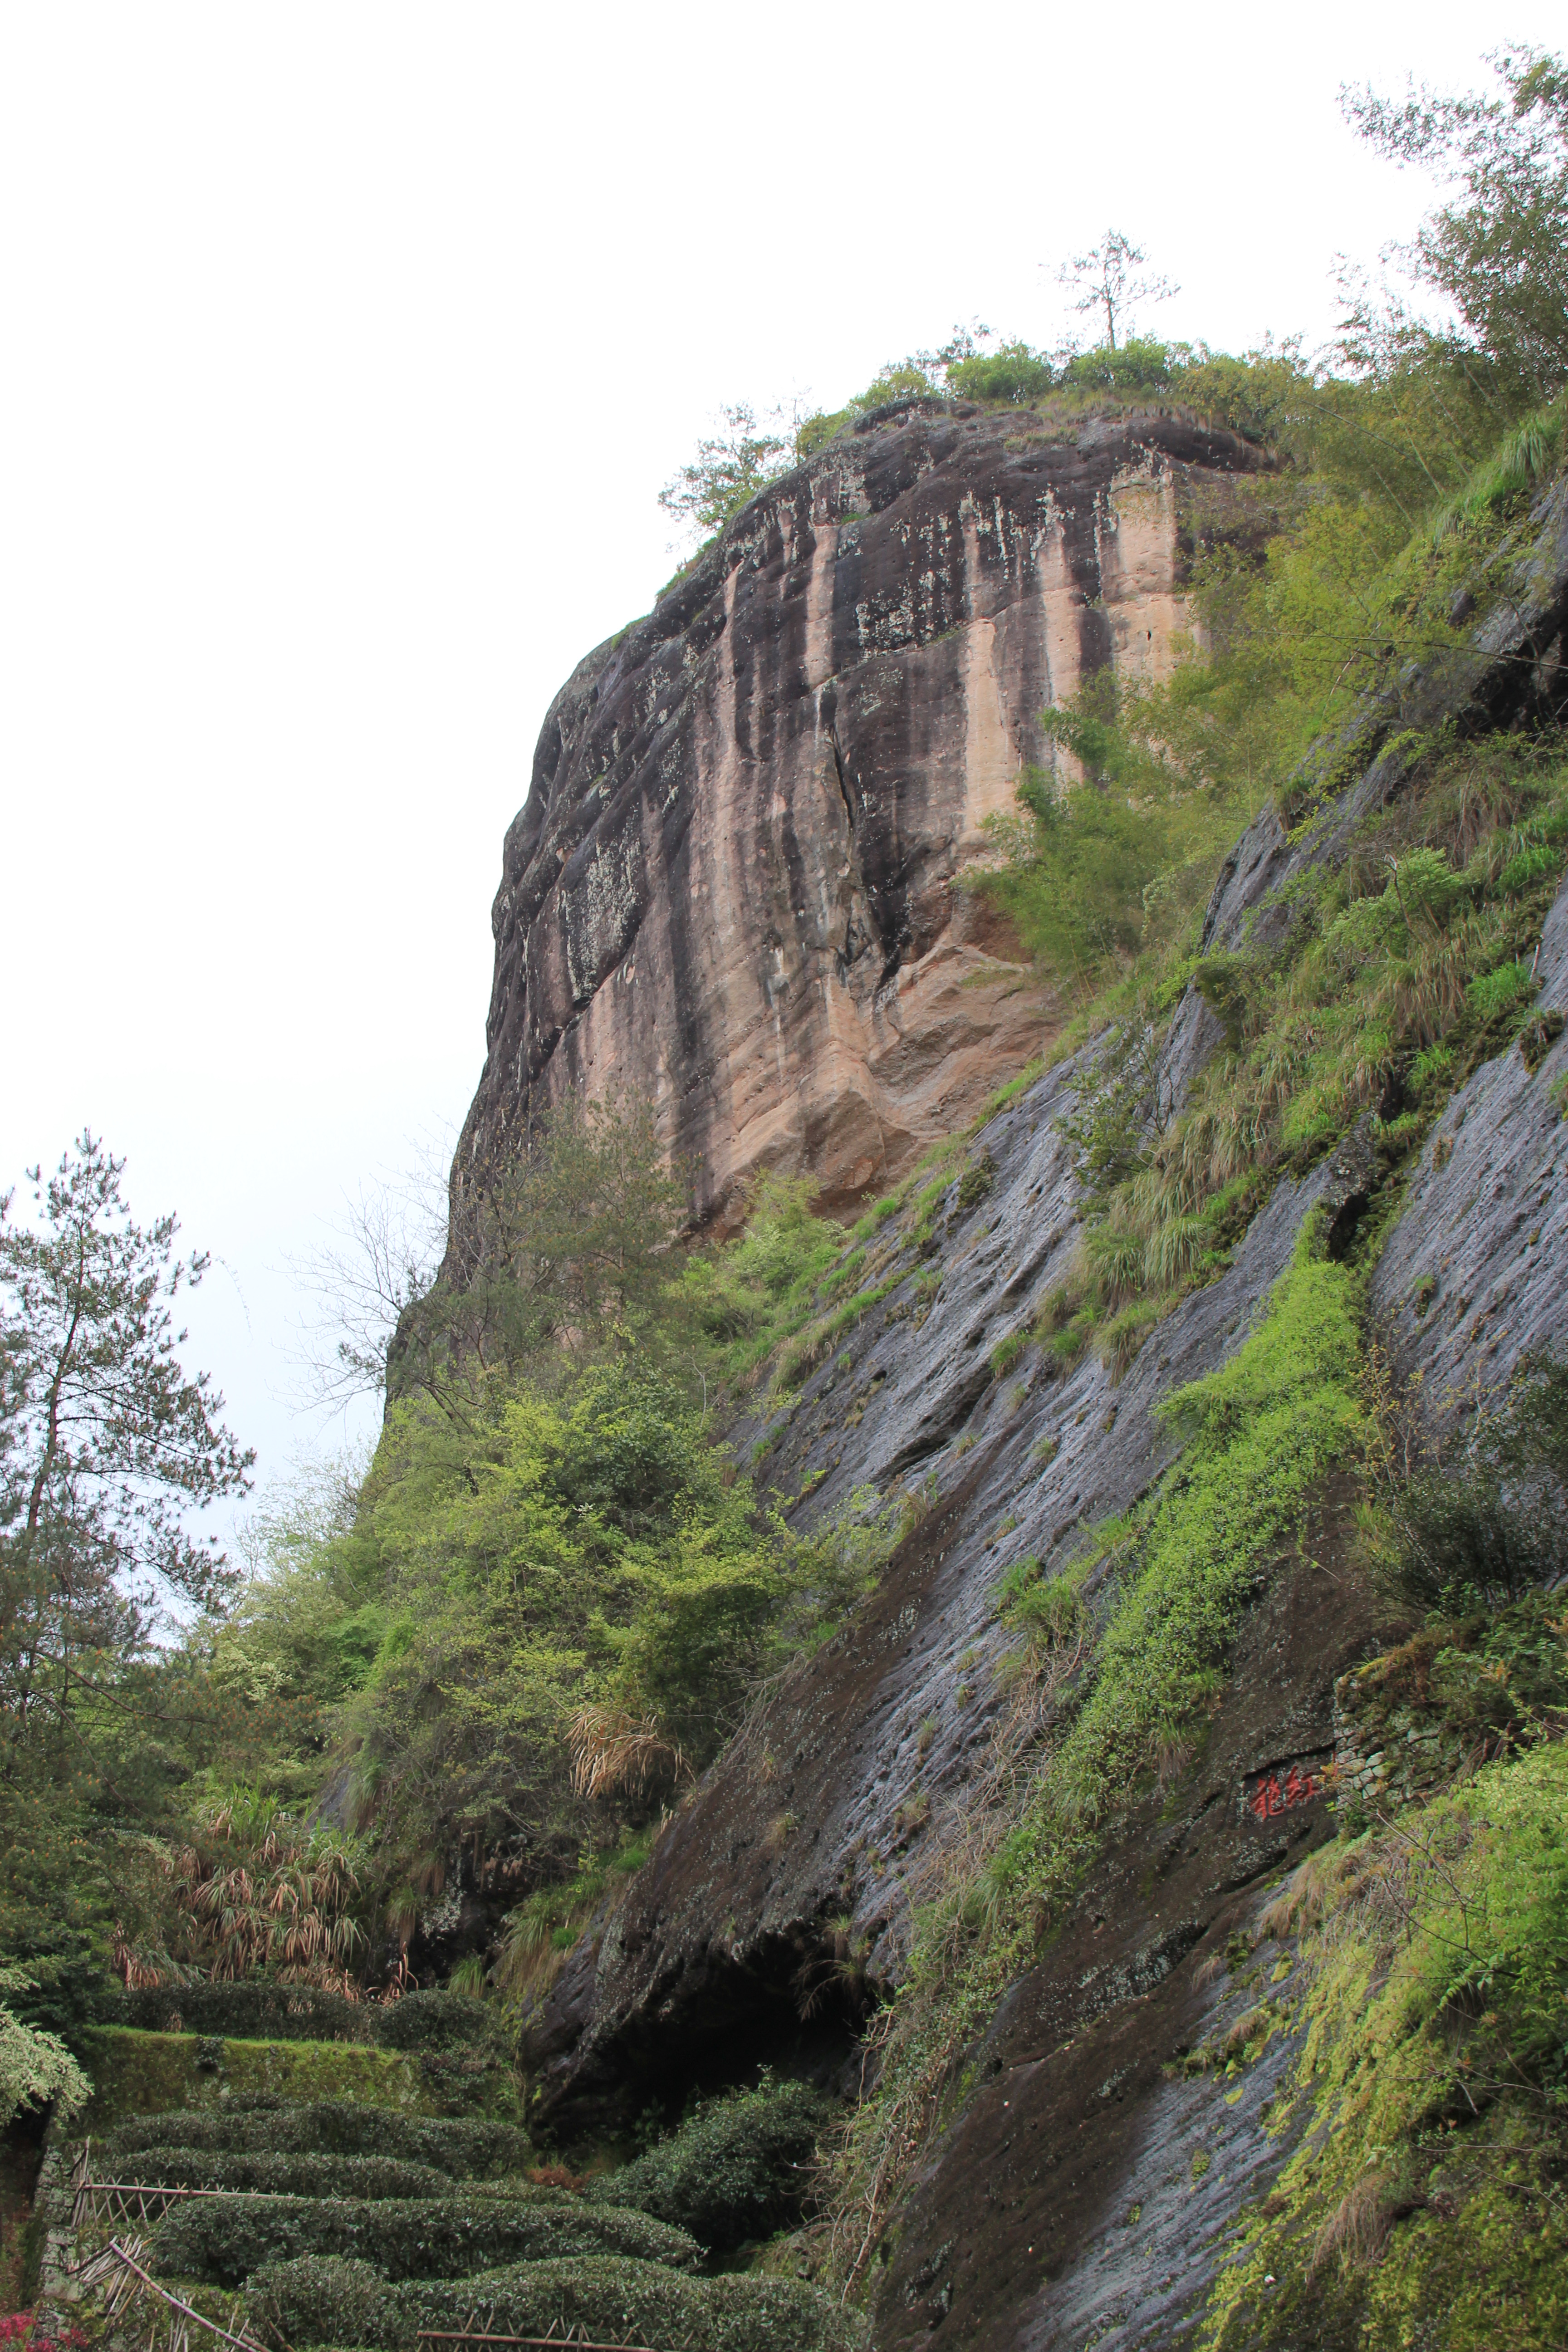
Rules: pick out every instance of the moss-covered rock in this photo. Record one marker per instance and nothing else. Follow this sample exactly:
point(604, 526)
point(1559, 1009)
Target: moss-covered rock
point(223, 2240)
point(1424, 2204)
point(735, 2170)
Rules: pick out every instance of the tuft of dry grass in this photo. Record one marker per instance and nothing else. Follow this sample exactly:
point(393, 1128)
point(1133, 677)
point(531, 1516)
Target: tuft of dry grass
point(1356, 2231)
point(615, 1750)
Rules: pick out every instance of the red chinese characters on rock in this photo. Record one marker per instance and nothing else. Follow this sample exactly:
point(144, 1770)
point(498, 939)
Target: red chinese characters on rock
point(1274, 1795)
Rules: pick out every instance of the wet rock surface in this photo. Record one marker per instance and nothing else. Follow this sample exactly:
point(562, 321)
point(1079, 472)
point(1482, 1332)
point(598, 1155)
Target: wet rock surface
point(733, 885)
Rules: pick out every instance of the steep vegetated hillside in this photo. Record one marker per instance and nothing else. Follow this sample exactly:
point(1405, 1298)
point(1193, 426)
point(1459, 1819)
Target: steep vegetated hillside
point(954, 1655)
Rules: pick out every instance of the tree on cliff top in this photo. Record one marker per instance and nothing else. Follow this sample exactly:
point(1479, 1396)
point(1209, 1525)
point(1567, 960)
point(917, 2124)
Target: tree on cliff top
point(1102, 279)
point(726, 474)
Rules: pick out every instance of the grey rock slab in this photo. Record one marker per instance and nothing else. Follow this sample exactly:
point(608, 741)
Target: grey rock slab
point(1472, 1280)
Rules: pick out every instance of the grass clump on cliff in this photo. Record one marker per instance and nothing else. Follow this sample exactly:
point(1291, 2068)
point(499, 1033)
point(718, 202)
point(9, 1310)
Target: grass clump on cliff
point(1172, 1580)
point(1401, 971)
point(761, 1288)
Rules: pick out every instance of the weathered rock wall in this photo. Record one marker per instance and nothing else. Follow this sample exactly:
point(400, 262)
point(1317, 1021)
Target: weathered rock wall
point(1085, 2190)
point(732, 889)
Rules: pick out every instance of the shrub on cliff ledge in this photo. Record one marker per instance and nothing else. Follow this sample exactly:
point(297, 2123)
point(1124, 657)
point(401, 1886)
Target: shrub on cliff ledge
point(726, 474)
point(1478, 1533)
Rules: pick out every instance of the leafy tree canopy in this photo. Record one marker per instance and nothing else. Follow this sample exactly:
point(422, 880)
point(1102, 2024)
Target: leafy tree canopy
point(1498, 249)
point(105, 1443)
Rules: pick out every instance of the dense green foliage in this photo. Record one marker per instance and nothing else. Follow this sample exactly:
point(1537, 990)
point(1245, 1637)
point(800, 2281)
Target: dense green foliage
point(322, 2264)
point(539, 1556)
point(542, 1610)
point(36, 2067)
point(320, 2300)
point(104, 1444)
point(222, 2240)
point(512, 1641)
point(1498, 249)
point(455, 2146)
point(735, 2169)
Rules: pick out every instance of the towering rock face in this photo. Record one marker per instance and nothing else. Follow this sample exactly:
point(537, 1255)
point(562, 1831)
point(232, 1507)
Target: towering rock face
point(734, 884)
point(1060, 2201)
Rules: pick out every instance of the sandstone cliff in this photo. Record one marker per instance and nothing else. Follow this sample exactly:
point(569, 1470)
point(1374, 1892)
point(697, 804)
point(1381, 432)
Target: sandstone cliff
point(1065, 2201)
point(734, 885)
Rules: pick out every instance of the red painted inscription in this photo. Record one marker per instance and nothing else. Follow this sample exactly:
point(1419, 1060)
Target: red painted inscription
point(1274, 1795)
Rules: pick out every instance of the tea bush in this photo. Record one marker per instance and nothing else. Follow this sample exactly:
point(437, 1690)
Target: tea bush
point(316, 2301)
point(222, 2240)
point(735, 2169)
point(259, 2011)
point(452, 2145)
point(295, 2175)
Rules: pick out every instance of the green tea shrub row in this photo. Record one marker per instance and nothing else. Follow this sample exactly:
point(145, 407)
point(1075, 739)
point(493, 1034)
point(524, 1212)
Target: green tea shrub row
point(222, 2240)
point(296, 2174)
point(317, 2302)
point(272, 2012)
point(735, 2170)
point(461, 2147)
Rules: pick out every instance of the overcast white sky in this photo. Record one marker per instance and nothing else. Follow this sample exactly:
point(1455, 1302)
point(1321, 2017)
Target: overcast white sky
point(347, 347)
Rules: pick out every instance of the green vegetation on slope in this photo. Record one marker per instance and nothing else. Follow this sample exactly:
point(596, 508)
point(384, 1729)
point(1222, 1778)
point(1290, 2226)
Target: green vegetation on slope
point(1403, 969)
point(1425, 2200)
point(370, 2248)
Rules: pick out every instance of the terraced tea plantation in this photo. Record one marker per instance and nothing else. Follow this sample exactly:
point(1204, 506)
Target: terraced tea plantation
point(259, 2219)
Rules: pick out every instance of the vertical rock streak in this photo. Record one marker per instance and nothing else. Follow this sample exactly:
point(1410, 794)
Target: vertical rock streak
point(734, 884)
